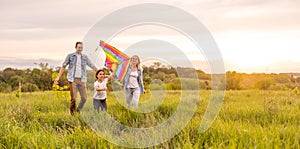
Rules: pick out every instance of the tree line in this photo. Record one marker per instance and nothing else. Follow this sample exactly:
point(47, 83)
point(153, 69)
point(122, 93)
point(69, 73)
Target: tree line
point(156, 77)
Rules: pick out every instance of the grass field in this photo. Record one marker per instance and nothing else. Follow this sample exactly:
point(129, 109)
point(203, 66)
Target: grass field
point(248, 119)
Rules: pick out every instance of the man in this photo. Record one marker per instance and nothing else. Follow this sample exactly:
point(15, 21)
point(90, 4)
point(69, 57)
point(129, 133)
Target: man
point(76, 75)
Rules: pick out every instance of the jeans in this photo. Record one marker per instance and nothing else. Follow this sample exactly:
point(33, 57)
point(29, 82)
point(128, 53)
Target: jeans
point(100, 104)
point(81, 87)
point(132, 94)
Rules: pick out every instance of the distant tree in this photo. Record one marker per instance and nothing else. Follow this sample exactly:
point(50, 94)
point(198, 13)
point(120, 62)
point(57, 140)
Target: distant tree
point(233, 80)
point(169, 78)
point(29, 87)
point(7, 73)
point(202, 75)
point(156, 65)
point(186, 72)
point(175, 85)
point(278, 86)
point(4, 87)
point(282, 78)
point(264, 83)
point(296, 90)
point(2, 78)
point(15, 82)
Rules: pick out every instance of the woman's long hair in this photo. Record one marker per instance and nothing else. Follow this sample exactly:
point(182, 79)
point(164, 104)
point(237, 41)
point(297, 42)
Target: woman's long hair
point(139, 61)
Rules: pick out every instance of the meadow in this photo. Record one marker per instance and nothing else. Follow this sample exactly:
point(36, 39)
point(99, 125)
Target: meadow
point(248, 119)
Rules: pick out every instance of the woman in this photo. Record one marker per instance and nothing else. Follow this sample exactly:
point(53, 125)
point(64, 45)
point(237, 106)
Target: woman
point(133, 82)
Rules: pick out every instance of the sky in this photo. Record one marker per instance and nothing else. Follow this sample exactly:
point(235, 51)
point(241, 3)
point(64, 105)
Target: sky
point(252, 36)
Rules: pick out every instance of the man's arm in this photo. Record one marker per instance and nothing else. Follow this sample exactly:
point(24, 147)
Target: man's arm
point(90, 64)
point(95, 68)
point(61, 71)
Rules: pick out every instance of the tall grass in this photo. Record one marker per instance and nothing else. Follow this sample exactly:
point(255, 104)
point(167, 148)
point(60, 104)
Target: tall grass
point(248, 119)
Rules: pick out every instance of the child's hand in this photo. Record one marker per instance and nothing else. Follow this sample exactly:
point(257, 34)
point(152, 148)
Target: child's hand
point(108, 76)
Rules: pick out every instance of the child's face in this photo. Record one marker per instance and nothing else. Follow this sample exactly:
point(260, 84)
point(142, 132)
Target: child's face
point(100, 75)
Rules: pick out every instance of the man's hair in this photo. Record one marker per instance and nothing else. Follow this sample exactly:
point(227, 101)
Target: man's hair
point(78, 43)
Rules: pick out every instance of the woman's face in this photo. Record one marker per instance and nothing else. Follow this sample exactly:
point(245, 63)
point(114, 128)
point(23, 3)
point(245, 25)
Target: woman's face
point(134, 60)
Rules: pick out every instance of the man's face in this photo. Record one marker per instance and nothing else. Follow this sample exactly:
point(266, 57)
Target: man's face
point(79, 48)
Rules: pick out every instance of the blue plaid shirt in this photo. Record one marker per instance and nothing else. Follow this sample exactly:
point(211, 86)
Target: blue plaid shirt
point(71, 60)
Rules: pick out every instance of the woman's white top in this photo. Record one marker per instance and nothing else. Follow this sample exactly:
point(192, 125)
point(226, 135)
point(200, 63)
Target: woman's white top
point(133, 81)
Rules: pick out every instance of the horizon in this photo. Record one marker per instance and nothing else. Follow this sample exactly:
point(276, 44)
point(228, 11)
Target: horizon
point(35, 64)
point(253, 37)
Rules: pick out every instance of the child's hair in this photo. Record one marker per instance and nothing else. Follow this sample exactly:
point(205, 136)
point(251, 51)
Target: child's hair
point(99, 72)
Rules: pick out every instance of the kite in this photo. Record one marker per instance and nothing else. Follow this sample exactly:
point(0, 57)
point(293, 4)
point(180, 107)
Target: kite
point(114, 57)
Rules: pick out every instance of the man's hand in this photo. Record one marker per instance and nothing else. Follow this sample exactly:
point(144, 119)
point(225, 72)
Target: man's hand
point(56, 81)
point(61, 71)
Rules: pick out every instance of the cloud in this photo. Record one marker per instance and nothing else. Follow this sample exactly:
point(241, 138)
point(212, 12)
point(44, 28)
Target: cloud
point(253, 15)
point(56, 18)
point(11, 62)
point(284, 66)
point(42, 29)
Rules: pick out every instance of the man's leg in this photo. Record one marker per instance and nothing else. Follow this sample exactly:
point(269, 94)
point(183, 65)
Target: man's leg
point(82, 90)
point(73, 92)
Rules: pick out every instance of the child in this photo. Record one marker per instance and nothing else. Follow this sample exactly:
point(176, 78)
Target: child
point(100, 90)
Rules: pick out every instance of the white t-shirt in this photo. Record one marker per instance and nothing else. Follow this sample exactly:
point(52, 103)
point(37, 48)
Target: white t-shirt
point(78, 66)
point(133, 81)
point(100, 95)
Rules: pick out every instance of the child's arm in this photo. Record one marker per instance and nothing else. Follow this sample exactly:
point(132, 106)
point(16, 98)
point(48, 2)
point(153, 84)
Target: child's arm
point(100, 89)
point(112, 75)
point(97, 87)
point(108, 76)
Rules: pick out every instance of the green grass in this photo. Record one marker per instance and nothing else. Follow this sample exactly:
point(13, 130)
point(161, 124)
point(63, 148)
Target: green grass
point(248, 119)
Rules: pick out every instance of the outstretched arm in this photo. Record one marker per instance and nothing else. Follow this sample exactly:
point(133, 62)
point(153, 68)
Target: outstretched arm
point(113, 74)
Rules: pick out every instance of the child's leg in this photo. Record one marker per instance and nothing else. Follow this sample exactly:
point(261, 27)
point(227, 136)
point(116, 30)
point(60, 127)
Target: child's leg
point(96, 104)
point(103, 105)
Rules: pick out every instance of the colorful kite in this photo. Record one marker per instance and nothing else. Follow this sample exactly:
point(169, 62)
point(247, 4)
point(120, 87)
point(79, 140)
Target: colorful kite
point(114, 57)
